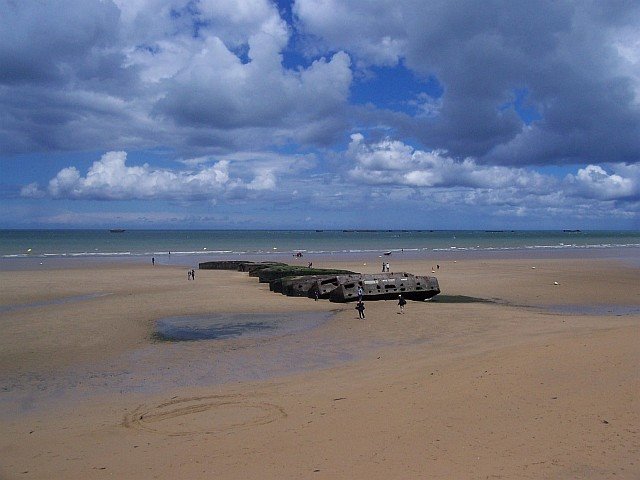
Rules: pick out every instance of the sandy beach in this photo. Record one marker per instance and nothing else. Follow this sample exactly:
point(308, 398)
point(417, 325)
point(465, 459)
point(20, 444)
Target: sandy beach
point(522, 368)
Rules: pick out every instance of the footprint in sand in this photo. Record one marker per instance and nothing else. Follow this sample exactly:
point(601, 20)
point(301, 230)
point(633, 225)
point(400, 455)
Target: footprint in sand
point(205, 415)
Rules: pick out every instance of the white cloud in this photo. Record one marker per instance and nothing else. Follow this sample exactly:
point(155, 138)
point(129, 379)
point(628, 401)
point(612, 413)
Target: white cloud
point(373, 31)
point(593, 181)
point(265, 180)
point(110, 178)
point(239, 176)
point(218, 90)
point(230, 76)
point(31, 190)
point(394, 163)
point(390, 166)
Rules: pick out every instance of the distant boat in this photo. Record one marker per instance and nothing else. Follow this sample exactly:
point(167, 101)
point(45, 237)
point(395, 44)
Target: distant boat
point(117, 230)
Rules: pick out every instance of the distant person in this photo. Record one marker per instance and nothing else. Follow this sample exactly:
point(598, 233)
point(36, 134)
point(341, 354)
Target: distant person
point(401, 303)
point(193, 274)
point(388, 267)
point(188, 274)
point(360, 293)
point(384, 267)
point(360, 308)
point(316, 295)
point(153, 260)
point(310, 265)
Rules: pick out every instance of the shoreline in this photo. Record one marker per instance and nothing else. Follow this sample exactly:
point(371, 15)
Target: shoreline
point(629, 255)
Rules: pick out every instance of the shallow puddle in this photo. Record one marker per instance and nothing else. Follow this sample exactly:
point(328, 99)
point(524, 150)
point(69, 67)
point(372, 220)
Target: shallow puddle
point(600, 310)
point(232, 325)
point(55, 301)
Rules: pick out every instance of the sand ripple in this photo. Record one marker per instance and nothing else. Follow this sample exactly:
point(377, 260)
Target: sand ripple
point(203, 415)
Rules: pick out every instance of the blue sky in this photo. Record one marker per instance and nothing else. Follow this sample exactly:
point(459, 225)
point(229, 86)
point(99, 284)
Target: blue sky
point(319, 114)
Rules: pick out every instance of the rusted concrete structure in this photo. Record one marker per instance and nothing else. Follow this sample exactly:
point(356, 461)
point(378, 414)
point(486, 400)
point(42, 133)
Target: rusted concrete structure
point(238, 265)
point(386, 286)
point(324, 286)
point(335, 285)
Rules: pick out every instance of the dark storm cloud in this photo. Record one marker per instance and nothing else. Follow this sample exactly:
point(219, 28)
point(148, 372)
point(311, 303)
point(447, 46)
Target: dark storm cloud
point(567, 59)
point(102, 74)
point(52, 41)
point(524, 83)
point(63, 79)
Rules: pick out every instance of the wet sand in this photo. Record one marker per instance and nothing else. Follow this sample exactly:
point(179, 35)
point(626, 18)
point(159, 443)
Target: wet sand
point(539, 380)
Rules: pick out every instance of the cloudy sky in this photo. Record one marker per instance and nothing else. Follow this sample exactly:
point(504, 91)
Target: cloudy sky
point(422, 114)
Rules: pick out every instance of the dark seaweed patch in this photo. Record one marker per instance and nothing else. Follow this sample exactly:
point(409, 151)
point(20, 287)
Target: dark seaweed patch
point(459, 299)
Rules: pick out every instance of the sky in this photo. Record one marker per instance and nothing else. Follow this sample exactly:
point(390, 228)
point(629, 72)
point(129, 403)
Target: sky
point(307, 114)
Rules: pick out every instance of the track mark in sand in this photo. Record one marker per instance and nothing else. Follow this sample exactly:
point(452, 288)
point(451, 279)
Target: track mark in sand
point(205, 415)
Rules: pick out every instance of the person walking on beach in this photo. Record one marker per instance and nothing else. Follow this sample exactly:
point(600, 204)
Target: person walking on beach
point(153, 260)
point(360, 308)
point(387, 267)
point(193, 274)
point(401, 303)
point(188, 274)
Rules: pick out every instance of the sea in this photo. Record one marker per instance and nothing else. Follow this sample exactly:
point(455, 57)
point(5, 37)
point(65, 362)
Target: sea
point(192, 246)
